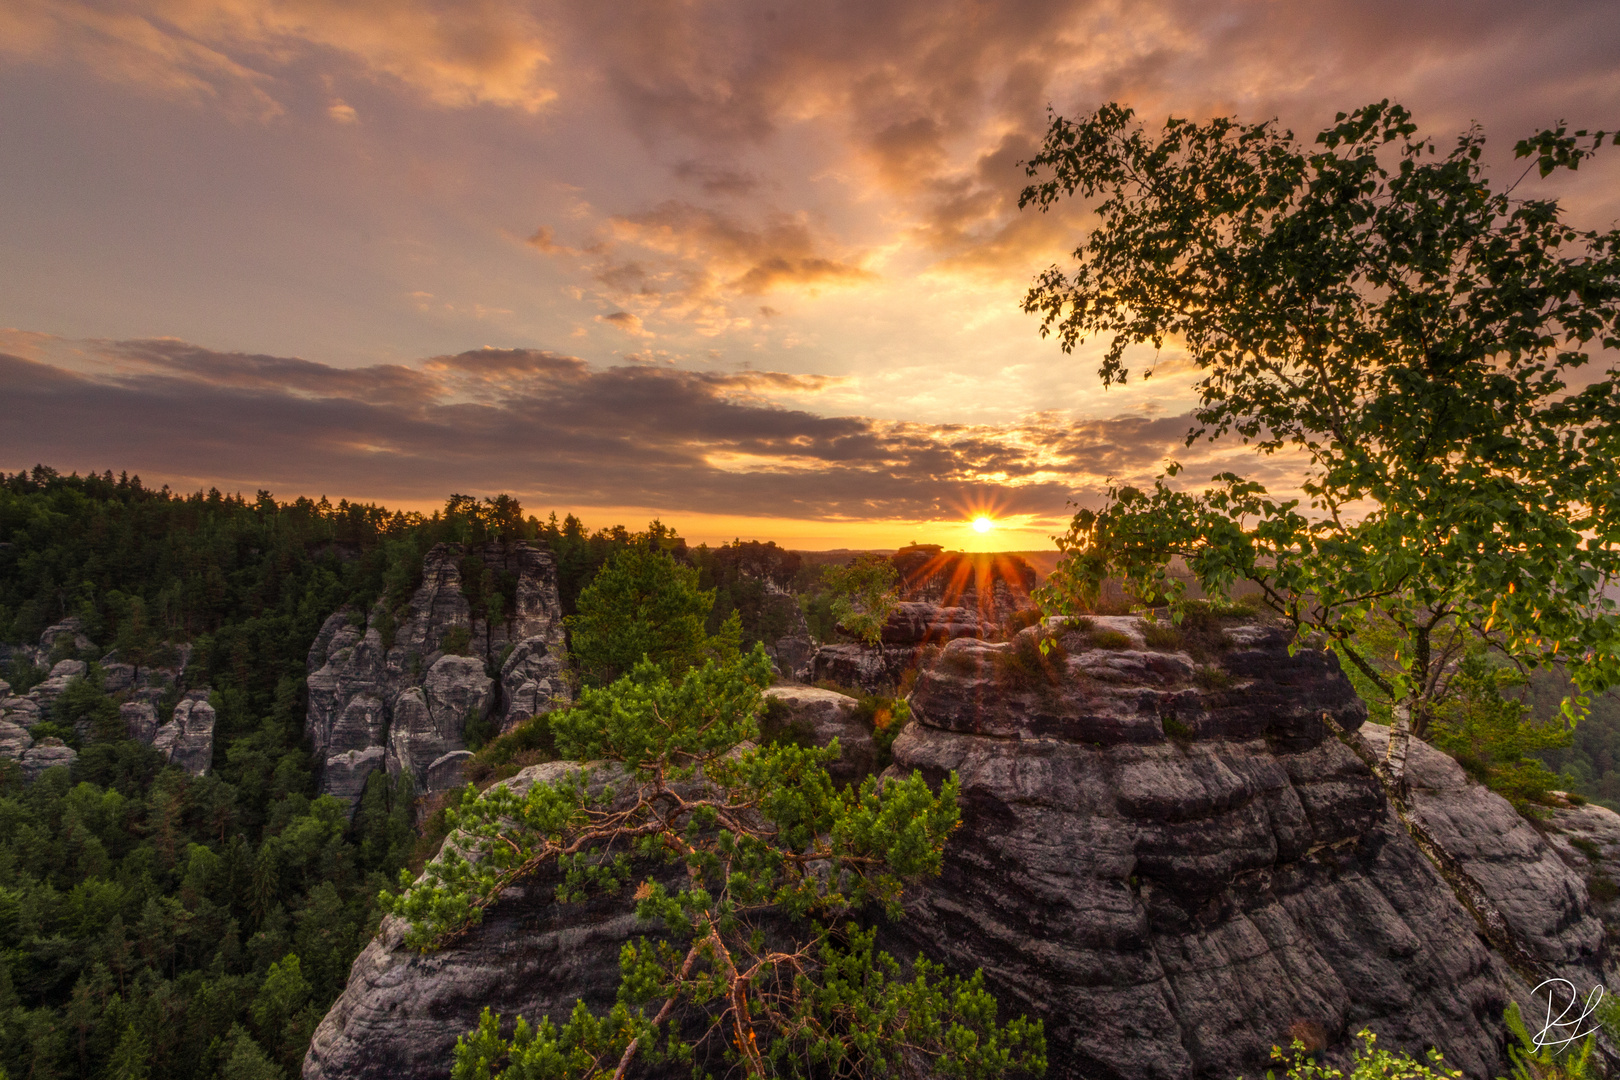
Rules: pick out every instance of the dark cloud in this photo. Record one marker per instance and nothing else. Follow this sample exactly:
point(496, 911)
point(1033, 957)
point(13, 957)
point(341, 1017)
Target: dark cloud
point(549, 428)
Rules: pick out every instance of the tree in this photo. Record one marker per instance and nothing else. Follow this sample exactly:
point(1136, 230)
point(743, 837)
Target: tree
point(643, 604)
point(723, 837)
point(1412, 336)
point(865, 593)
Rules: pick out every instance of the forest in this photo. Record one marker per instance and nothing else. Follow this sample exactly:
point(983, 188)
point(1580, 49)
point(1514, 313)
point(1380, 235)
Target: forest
point(155, 924)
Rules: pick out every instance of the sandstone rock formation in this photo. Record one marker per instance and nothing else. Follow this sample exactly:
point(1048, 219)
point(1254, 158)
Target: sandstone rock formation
point(1165, 854)
point(1171, 860)
point(822, 716)
point(137, 690)
point(187, 740)
point(45, 754)
point(402, 1011)
point(993, 585)
point(875, 671)
point(385, 692)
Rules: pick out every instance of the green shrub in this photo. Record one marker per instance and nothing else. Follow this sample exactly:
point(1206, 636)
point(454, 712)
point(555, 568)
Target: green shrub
point(476, 729)
point(1212, 677)
point(1110, 639)
point(1602, 888)
point(1369, 1063)
point(1160, 635)
point(1490, 736)
point(1175, 729)
point(457, 641)
point(1032, 663)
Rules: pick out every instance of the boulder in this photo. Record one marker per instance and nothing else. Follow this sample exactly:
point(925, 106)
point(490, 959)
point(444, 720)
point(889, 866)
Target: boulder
point(64, 672)
point(20, 710)
point(14, 739)
point(448, 771)
point(915, 623)
point(402, 1011)
point(47, 753)
point(70, 628)
point(1542, 897)
point(430, 720)
point(140, 720)
point(820, 716)
point(187, 740)
point(794, 656)
point(874, 671)
point(346, 773)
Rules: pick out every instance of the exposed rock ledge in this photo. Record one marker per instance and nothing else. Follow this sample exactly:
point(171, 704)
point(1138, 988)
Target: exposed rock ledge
point(1171, 861)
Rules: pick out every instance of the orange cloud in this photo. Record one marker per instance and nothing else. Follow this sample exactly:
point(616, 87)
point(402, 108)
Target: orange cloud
point(465, 53)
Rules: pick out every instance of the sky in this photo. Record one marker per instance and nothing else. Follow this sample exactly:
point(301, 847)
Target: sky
point(754, 268)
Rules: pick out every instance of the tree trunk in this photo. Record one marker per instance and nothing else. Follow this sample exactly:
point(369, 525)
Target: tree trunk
point(1399, 734)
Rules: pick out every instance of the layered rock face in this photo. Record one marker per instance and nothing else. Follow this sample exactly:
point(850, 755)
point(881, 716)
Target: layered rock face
point(402, 1011)
point(1165, 854)
point(385, 693)
point(1172, 861)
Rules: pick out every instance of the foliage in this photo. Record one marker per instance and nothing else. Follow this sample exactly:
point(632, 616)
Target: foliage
point(1493, 738)
point(753, 580)
point(581, 554)
point(145, 913)
point(865, 593)
point(1413, 334)
point(1370, 1063)
point(723, 836)
point(1527, 1061)
point(644, 605)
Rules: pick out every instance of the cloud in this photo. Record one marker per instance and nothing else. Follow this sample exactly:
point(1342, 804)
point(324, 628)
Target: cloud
point(342, 112)
point(630, 324)
point(549, 427)
point(230, 51)
point(691, 263)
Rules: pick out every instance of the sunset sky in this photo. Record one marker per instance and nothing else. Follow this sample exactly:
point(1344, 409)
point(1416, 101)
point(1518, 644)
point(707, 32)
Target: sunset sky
point(752, 267)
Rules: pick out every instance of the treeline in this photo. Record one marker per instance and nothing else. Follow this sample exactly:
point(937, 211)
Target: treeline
point(154, 924)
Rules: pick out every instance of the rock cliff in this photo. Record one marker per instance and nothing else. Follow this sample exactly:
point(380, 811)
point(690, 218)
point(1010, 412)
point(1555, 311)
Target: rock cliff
point(397, 690)
point(1166, 853)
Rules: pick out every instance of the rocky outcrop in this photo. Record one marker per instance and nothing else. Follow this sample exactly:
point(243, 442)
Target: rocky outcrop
point(187, 740)
point(1166, 854)
point(993, 585)
point(47, 753)
point(396, 690)
point(140, 720)
point(14, 739)
point(860, 667)
point(818, 717)
point(62, 673)
point(402, 1011)
point(1171, 860)
point(914, 623)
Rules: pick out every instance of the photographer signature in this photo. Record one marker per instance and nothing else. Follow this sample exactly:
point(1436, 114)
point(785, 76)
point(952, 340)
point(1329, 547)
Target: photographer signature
point(1563, 1029)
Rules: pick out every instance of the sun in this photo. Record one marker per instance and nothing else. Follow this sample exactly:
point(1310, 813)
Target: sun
point(983, 524)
